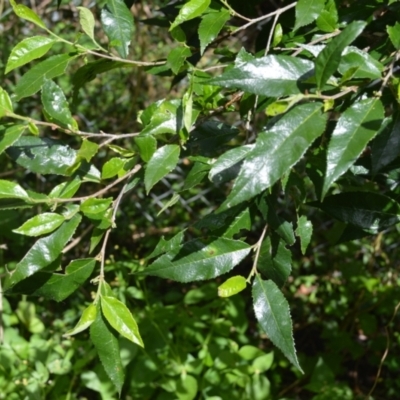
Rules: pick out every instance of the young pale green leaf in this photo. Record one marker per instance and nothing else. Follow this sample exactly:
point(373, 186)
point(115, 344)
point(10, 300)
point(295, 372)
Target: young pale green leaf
point(275, 260)
point(272, 76)
point(308, 11)
point(27, 14)
point(162, 162)
point(191, 9)
point(5, 103)
point(176, 58)
point(122, 151)
point(147, 147)
point(87, 318)
point(43, 252)
point(87, 150)
point(394, 35)
point(199, 260)
point(105, 341)
point(210, 26)
point(386, 146)
point(117, 22)
point(40, 224)
point(278, 35)
point(355, 128)
point(9, 134)
point(232, 286)
point(121, 319)
point(29, 49)
point(328, 59)
point(11, 190)
point(86, 19)
point(304, 232)
point(56, 106)
point(366, 210)
point(264, 165)
point(272, 312)
point(112, 167)
point(33, 79)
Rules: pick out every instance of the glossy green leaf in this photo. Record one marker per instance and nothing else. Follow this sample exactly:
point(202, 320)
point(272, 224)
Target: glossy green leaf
point(275, 260)
point(95, 208)
point(27, 14)
point(366, 66)
point(176, 58)
point(88, 317)
point(9, 134)
point(328, 59)
point(394, 35)
point(27, 50)
point(386, 146)
point(232, 286)
point(33, 79)
point(355, 128)
point(162, 162)
point(272, 76)
point(86, 19)
point(191, 9)
point(56, 106)
point(290, 136)
point(210, 26)
point(105, 341)
point(241, 222)
point(112, 167)
point(47, 156)
point(66, 189)
point(272, 312)
point(308, 11)
point(304, 232)
point(11, 190)
point(117, 22)
point(121, 319)
point(40, 224)
point(366, 210)
point(6, 106)
point(43, 252)
point(199, 260)
point(147, 147)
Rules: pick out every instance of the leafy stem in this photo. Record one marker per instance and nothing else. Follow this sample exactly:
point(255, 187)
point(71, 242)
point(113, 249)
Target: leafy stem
point(257, 248)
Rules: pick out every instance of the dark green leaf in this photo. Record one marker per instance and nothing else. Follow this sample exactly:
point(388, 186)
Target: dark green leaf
point(276, 151)
point(196, 175)
point(162, 162)
point(164, 246)
point(121, 319)
point(40, 224)
point(191, 9)
point(272, 312)
point(308, 11)
point(328, 60)
point(117, 22)
point(199, 260)
point(366, 66)
point(272, 76)
point(29, 49)
point(43, 252)
point(105, 341)
point(304, 232)
point(176, 58)
point(232, 286)
point(355, 128)
point(32, 81)
point(210, 26)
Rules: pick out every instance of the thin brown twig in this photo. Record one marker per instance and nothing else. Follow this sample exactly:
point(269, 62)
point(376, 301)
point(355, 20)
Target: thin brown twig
point(123, 60)
point(77, 240)
point(320, 39)
point(389, 73)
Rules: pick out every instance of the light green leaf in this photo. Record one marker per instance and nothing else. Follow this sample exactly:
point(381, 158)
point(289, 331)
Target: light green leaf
point(95, 208)
point(210, 26)
point(174, 199)
point(66, 190)
point(11, 190)
point(56, 106)
point(121, 319)
point(9, 134)
point(117, 22)
point(394, 35)
point(29, 49)
point(123, 151)
point(112, 167)
point(87, 150)
point(86, 19)
point(147, 146)
point(272, 76)
point(328, 19)
point(276, 151)
point(87, 318)
point(328, 59)
point(272, 312)
point(27, 14)
point(278, 35)
point(105, 341)
point(304, 232)
point(355, 128)
point(5, 103)
point(176, 58)
point(308, 11)
point(33, 79)
point(162, 162)
point(232, 286)
point(43, 252)
point(191, 9)
point(199, 260)
point(40, 224)
point(187, 388)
